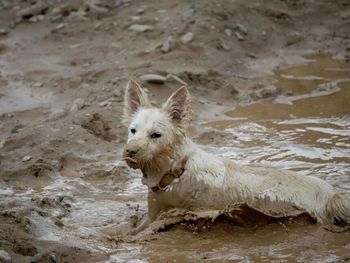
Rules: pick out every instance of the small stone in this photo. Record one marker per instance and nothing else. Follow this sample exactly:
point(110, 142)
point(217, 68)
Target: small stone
point(119, 3)
point(79, 15)
point(117, 93)
point(187, 38)
point(188, 13)
point(2, 143)
point(242, 29)
point(5, 257)
point(74, 46)
point(78, 104)
point(153, 78)
point(140, 28)
point(60, 26)
point(140, 11)
point(26, 158)
point(38, 8)
point(228, 32)
point(225, 45)
point(106, 103)
point(38, 84)
point(234, 92)
point(167, 45)
point(239, 36)
point(4, 31)
point(97, 6)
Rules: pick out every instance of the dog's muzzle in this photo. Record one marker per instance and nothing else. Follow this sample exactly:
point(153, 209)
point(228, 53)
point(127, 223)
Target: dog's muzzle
point(129, 157)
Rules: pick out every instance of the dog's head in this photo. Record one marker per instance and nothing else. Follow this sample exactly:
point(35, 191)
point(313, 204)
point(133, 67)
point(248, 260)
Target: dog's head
point(154, 132)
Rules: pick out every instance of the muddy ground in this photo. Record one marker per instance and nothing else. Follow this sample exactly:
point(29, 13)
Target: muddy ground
point(270, 83)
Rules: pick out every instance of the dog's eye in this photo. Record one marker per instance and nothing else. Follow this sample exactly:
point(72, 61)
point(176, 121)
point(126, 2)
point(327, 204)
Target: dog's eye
point(133, 130)
point(155, 135)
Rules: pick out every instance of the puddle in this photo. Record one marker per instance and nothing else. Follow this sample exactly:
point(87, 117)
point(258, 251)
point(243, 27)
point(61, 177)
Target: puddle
point(307, 131)
point(90, 199)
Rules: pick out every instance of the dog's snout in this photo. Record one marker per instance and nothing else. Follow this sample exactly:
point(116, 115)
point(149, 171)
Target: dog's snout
point(131, 151)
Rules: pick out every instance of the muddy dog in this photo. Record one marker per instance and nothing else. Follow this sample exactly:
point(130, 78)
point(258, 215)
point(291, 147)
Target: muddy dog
point(179, 174)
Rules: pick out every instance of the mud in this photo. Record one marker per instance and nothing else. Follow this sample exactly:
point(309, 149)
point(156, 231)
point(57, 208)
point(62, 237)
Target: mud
point(274, 92)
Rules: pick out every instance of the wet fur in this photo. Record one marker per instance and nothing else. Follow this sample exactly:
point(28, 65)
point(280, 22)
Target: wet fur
point(210, 183)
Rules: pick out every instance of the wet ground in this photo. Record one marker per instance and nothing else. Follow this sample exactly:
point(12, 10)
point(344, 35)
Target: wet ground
point(65, 194)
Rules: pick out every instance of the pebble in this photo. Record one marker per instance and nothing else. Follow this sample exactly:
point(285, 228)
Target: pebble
point(167, 45)
point(96, 6)
point(188, 13)
point(117, 93)
point(153, 78)
point(242, 29)
point(228, 32)
point(187, 38)
point(4, 31)
point(26, 158)
point(106, 103)
point(78, 104)
point(119, 3)
point(140, 28)
point(225, 45)
point(5, 257)
point(140, 11)
point(32, 10)
point(60, 26)
point(239, 36)
point(38, 84)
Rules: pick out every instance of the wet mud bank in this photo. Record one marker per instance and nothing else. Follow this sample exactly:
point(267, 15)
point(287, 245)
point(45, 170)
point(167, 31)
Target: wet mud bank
point(270, 87)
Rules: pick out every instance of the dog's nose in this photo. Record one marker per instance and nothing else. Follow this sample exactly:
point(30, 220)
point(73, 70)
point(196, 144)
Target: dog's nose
point(132, 152)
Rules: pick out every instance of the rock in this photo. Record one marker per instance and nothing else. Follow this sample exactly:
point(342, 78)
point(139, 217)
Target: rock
point(140, 11)
point(167, 45)
point(239, 36)
point(119, 3)
point(78, 104)
point(242, 29)
point(117, 93)
point(153, 78)
point(38, 84)
point(228, 32)
point(97, 6)
point(75, 16)
point(234, 92)
point(187, 38)
point(5, 257)
point(60, 26)
point(140, 28)
point(225, 45)
point(37, 9)
point(106, 103)
point(188, 13)
point(269, 91)
point(4, 31)
point(26, 158)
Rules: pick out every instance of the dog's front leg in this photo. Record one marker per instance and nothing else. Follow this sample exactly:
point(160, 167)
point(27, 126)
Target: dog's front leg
point(153, 212)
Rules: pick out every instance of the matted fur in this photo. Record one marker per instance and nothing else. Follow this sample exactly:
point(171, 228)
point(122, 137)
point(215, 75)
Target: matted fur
point(210, 182)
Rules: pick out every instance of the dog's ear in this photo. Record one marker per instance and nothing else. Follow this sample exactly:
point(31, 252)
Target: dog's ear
point(134, 98)
point(179, 106)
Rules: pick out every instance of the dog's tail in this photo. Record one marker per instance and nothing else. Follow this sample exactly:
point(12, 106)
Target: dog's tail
point(338, 208)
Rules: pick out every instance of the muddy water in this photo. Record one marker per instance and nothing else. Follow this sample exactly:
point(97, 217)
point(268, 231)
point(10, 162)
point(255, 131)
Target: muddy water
point(80, 211)
point(306, 129)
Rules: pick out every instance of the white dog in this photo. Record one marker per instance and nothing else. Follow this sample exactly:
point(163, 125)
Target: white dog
point(179, 174)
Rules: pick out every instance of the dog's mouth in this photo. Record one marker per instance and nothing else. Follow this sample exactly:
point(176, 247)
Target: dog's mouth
point(132, 163)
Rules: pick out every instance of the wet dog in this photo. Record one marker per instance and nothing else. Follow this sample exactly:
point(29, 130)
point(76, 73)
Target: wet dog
point(179, 174)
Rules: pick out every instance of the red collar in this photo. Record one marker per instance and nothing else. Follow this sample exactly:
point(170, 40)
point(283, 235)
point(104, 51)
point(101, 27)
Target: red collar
point(170, 176)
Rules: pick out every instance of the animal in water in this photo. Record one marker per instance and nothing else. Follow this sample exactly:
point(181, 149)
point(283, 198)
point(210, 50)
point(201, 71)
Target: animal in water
point(180, 174)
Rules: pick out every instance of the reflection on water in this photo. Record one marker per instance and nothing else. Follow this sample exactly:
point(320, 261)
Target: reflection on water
point(308, 131)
